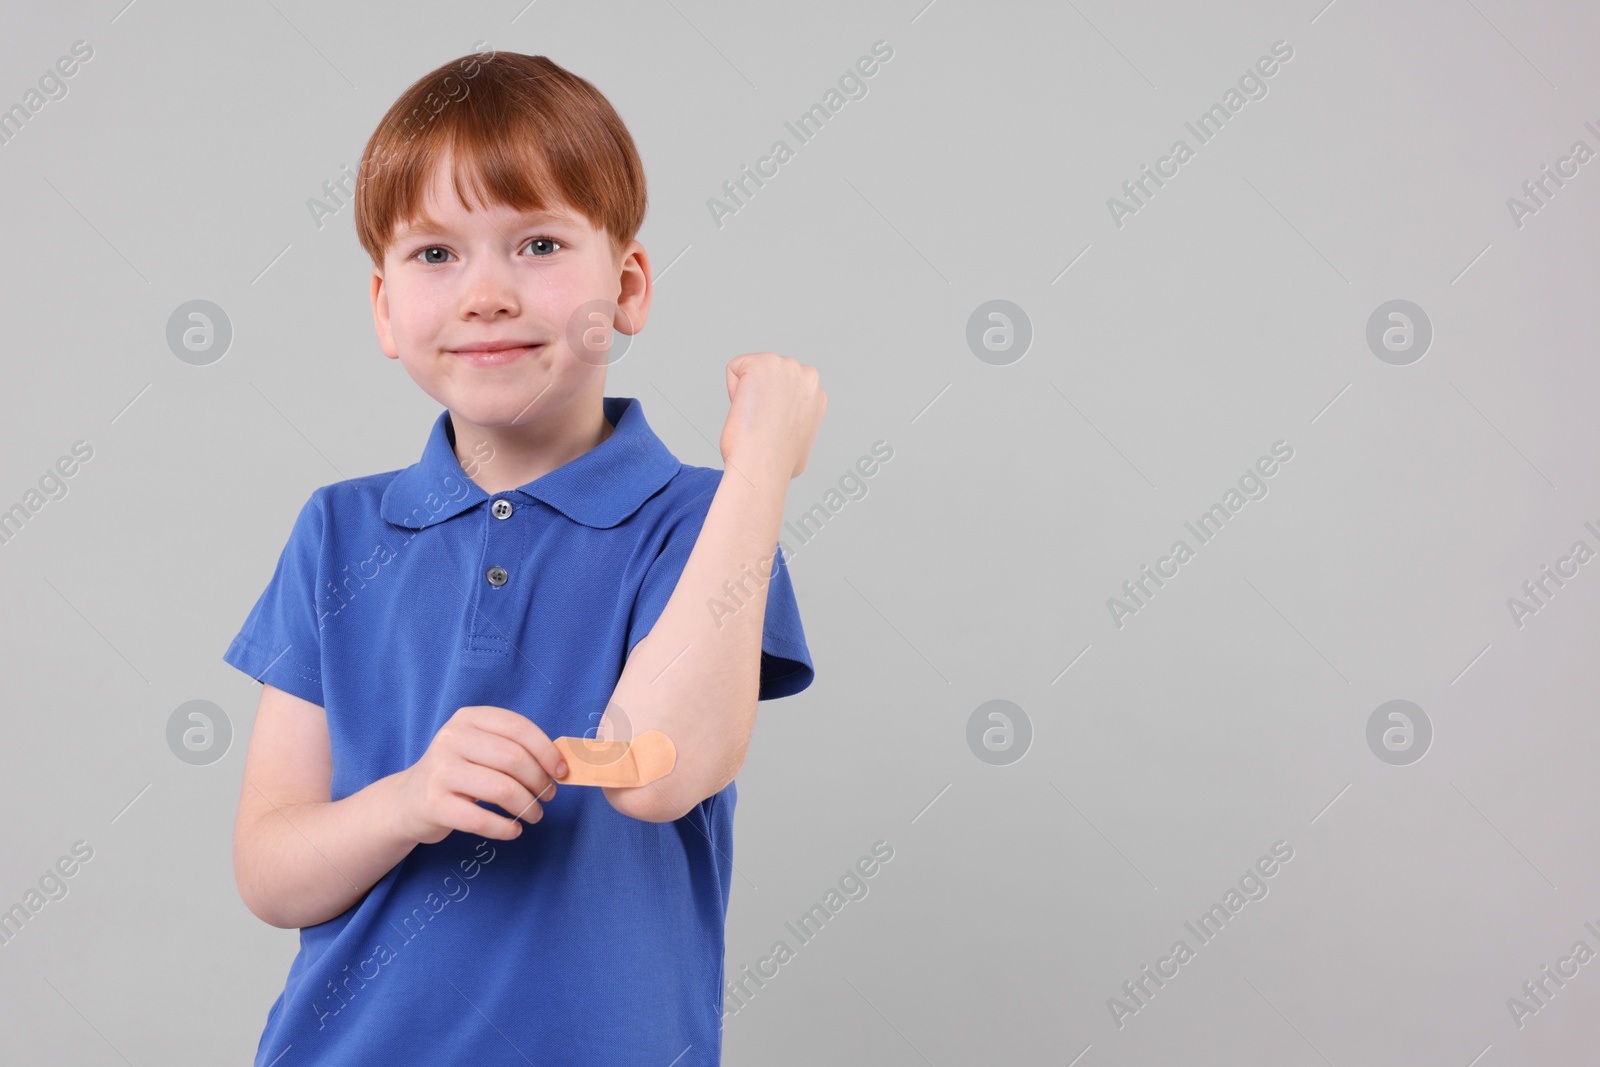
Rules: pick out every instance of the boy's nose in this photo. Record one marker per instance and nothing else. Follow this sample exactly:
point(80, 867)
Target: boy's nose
point(490, 292)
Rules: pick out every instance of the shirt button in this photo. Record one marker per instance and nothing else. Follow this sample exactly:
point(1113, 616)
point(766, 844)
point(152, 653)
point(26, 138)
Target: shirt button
point(501, 508)
point(497, 576)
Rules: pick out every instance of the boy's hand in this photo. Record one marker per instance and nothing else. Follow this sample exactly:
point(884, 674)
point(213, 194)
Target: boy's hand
point(775, 408)
point(482, 753)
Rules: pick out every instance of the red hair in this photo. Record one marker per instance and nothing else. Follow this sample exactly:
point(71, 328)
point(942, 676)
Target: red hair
point(520, 131)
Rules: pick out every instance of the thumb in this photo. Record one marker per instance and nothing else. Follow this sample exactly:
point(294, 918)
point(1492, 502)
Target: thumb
point(735, 369)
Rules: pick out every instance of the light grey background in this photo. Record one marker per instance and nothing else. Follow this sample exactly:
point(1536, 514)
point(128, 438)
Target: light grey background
point(1229, 313)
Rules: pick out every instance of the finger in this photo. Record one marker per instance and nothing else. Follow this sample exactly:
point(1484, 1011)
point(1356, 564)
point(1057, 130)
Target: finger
point(506, 755)
point(462, 814)
point(495, 787)
point(525, 732)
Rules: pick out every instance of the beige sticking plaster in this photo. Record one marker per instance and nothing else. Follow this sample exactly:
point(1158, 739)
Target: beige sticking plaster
point(647, 757)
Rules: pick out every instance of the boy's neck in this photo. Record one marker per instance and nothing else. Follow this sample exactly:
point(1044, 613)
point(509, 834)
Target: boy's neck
point(498, 458)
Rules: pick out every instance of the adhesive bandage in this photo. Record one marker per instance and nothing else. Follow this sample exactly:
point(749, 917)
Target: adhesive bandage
point(616, 763)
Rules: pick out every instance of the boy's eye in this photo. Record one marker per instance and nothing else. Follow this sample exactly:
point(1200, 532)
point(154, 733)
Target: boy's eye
point(423, 254)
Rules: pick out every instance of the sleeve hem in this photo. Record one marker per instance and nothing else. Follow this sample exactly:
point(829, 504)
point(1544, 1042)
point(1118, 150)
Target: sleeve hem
point(276, 669)
point(787, 676)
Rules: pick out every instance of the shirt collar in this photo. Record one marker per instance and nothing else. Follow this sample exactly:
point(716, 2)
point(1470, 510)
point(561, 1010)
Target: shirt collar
point(600, 488)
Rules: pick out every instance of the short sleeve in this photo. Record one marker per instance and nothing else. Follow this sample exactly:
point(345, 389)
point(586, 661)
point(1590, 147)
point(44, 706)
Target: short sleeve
point(786, 666)
point(280, 643)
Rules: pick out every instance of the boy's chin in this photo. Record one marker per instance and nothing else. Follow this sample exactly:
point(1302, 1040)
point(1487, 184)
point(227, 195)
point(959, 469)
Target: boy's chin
point(499, 413)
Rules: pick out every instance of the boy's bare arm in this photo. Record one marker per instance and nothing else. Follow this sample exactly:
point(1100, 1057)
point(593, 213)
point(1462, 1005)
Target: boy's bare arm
point(299, 858)
point(696, 676)
point(303, 864)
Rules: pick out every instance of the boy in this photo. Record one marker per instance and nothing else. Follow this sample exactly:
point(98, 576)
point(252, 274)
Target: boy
point(548, 569)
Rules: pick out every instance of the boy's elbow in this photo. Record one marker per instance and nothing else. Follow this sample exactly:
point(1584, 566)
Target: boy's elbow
point(666, 800)
point(637, 802)
point(676, 793)
point(247, 876)
point(271, 918)
point(255, 906)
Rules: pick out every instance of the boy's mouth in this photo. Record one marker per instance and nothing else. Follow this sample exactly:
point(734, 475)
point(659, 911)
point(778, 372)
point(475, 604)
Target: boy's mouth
point(491, 353)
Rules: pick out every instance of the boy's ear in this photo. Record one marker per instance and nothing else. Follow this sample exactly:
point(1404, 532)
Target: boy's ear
point(634, 289)
point(380, 315)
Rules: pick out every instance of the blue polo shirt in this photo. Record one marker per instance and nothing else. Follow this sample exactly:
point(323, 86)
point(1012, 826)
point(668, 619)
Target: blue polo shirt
point(593, 938)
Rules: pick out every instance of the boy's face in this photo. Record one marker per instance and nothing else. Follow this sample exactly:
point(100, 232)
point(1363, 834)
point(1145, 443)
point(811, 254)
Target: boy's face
point(492, 276)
